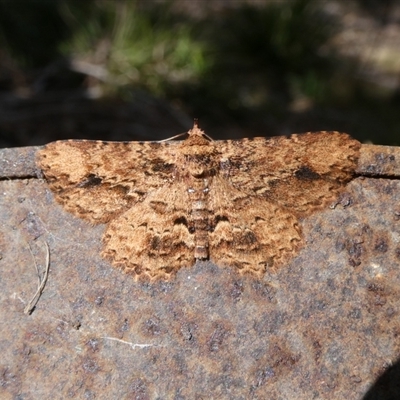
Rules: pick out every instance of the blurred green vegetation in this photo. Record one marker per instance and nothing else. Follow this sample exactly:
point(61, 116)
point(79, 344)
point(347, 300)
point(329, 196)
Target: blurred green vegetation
point(262, 58)
point(265, 66)
point(148, 48)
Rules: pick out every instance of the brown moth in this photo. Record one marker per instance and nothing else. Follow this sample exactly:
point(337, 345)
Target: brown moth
point(168, 204)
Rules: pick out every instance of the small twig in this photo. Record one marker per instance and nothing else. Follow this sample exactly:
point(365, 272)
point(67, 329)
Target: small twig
point(32, 303)
point(132, 345)
point(96, 71)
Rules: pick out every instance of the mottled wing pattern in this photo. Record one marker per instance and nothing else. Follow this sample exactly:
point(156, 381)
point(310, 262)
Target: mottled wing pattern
point(249, 232)
point(133, 185)
point(152, 239)
point(247, 193)
point(300, 172)
point(98, 180)
point(265, 185)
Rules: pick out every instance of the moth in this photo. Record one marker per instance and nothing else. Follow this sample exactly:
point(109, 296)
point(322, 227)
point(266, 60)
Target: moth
point(167, 204)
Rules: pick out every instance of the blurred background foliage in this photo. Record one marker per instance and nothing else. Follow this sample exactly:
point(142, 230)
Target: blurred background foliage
point(121, 69)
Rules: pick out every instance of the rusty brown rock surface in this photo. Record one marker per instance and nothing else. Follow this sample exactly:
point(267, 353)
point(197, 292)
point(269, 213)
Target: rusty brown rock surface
point(325, 326)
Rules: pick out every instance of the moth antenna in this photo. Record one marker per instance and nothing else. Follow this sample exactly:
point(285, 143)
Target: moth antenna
point(172, 137)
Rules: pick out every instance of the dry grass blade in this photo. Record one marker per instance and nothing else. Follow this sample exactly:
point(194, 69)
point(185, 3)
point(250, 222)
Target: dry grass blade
point(32, 303)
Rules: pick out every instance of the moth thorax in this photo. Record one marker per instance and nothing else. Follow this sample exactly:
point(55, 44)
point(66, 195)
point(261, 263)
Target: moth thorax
point(200, 165)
